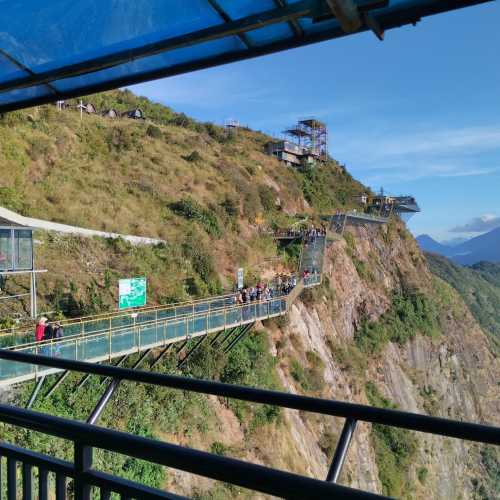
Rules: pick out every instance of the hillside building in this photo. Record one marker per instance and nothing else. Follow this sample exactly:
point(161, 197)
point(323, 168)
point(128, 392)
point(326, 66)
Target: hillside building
point(304, 144)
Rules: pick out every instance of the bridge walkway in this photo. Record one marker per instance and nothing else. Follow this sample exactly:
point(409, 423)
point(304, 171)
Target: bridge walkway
point(105, 338)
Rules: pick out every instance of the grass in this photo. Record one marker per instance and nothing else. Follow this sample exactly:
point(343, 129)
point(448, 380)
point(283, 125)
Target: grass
point(479, 287)
point(310, 378)
point(394, 450)
point(189, 183)
point(410, 313)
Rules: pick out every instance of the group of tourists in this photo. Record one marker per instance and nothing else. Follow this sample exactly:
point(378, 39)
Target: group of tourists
point(309, 234)
point(282, 285)
point(46, 330)
point(285, 283)
point(258, 292)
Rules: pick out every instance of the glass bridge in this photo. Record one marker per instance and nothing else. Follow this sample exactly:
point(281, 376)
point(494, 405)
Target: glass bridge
point(104, 337)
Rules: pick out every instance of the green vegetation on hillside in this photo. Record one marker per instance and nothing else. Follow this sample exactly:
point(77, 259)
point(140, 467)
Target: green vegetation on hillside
point(191, 184)
point(159, 412)
point(410, 313)
point(394, 450)
point(479, 287)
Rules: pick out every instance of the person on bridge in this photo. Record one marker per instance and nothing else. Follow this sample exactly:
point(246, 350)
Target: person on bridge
point(48, 333)
point(40, 329)
point(57, 334)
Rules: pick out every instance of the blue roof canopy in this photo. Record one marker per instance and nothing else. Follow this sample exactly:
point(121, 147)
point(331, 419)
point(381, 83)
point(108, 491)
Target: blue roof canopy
point(58, 49)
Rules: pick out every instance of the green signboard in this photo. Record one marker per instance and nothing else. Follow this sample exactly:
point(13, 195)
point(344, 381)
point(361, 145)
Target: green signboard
point(131, 293)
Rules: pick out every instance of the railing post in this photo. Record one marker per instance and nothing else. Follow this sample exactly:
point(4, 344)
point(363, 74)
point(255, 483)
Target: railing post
point(110, 346)
point(83, 463)
point(11, 479)
point(341, 450)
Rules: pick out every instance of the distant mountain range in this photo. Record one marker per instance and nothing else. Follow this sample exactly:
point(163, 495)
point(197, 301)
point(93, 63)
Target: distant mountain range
point(479, 286)
point(485, 247)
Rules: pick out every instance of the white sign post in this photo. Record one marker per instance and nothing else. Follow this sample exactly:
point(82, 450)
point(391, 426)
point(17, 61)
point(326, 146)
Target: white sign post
point(240, 278)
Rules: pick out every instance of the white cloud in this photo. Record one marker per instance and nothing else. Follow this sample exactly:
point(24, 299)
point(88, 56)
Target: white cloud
point(413, 155)
point(480, 224)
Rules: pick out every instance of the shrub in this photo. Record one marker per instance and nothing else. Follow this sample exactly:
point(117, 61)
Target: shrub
point(193, 157)
point(201, 260)
point(192, 210)
point(310, 379)
point(10, 198)
point(154, 132)
point(410, 313)
point(217, 133)
point(267, 197)
point(422, 473)
point(218, 448)
point(231, 207)
point(362, 269)
point(394, 449)
point(351, 242)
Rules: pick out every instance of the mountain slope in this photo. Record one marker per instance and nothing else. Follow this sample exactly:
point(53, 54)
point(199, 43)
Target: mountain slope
point(485, 247)
point(380, 330)
point(429, 244)
point(479, 287)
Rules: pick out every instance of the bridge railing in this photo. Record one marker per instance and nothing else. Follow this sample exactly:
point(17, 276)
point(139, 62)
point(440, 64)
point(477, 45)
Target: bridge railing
point(128, 318)
point(87, 480)
point(110, 343)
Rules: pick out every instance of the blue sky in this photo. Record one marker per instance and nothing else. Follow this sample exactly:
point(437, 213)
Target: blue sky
point(418, 113)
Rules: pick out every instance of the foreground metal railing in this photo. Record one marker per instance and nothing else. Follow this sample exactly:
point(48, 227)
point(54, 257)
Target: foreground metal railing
point(85, 438)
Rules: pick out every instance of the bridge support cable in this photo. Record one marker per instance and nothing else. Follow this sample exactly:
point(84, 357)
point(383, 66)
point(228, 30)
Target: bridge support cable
point(239, 337)
point(81, 384)
point(160, 356)
point(141, 359)
point(57, 383)
point(83, 381)
point(35, 392)
point(214, 340)
point(110, 390)
point(192, 351)
point(103, 401)
point(179, 349)
point(341, 450)
point(231, 332)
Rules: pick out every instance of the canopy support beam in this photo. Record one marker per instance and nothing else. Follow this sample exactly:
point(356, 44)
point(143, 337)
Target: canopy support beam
point(347, 14)
point(303, 8)
point(225, 17)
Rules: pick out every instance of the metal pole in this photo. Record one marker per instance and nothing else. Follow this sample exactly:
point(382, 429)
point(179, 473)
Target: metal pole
point(160, 357)
point(194, 349)
point(57, 383)
point(83, 463)
point(35, 392)
point(33, 305)
point(96, 412)
point(341, 450)
point(239, 337)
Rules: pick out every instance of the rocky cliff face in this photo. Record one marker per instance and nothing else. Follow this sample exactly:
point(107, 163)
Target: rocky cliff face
point(452, 375)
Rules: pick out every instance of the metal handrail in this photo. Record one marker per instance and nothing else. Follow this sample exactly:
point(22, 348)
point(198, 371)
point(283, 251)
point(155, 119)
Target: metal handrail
point(412, 421)
point(124, 312)
point(245, 474)
point(156, 309)
point(8, 332)
point(256, 477)
point(119, 329)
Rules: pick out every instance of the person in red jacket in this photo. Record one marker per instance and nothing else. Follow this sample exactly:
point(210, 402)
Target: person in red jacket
point(40, 329)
